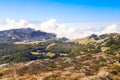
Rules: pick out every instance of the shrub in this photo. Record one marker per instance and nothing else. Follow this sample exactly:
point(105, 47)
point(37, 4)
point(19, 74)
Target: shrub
point(50, 55)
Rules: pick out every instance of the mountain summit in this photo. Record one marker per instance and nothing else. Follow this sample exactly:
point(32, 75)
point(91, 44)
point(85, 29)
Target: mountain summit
point(22, 34)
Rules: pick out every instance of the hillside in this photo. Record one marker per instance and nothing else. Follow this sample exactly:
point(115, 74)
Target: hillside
point(24, 34)
point(104, 41)
point(85, 67)
point(97, 59)
point(99, 38)
point(90, 39)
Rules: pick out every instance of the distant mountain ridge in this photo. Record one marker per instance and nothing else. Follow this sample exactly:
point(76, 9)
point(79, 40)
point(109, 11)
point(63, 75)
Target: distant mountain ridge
point(103, 38)
point(22, 34)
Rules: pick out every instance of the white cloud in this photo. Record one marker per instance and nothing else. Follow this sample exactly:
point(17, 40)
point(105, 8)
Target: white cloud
point(49, 26)
point(111, 29)
point(12, 24)
point(62, 30)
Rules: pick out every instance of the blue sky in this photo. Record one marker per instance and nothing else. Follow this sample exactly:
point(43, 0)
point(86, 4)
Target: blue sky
point(66, 18)
point(65, 11)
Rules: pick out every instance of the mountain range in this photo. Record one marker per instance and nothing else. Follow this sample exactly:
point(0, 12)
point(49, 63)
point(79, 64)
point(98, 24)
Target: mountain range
point(96, 57)
point(103, 38)
point(22, 34)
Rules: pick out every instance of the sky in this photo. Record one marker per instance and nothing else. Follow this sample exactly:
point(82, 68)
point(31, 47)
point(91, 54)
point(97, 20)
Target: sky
point(62, 10)
point(75, 17)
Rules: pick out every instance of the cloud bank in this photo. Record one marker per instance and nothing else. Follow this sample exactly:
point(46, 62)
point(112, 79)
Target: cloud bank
point(12, 24)
point(111, 29)
point(61, 30)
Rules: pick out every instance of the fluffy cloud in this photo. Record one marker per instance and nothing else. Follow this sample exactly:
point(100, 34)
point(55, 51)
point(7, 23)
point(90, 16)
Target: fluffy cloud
point(111, 29)
point(75, 32)
point(12, 24)
point(61, 30)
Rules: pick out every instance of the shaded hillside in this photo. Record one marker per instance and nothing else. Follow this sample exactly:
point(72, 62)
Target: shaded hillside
point(57, 48)
point(14, 53)
point(28, 34)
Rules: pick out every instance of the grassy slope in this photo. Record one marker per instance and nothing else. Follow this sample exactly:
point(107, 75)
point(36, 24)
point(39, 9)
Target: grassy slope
point(99, 66)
